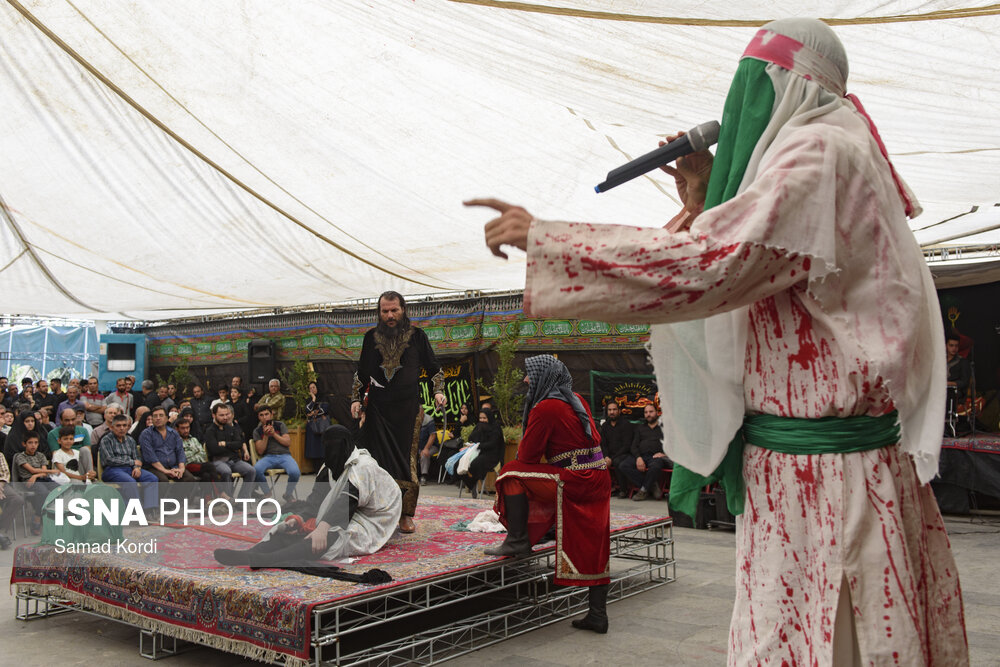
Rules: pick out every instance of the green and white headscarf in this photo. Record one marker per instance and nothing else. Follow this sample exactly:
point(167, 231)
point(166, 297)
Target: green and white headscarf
point(793, 72)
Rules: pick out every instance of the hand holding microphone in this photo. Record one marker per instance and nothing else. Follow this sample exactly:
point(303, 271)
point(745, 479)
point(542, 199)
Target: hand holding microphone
point(696, 139)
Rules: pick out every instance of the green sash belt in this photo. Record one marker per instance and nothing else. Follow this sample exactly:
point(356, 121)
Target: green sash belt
point(787, 435)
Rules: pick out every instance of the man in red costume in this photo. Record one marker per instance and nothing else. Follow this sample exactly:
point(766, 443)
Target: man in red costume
point(572, 490)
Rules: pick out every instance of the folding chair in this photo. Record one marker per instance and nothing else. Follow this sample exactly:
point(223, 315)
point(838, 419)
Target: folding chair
point(447, 448)
point(272, 475)
point(480, 485)
point(24, 521)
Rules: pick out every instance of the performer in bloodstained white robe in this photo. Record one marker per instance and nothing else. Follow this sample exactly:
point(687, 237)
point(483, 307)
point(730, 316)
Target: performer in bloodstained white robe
point(353, 510)
point(820, 329)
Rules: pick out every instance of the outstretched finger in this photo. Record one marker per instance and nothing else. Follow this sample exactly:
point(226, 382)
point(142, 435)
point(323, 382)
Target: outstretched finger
point(489, 202)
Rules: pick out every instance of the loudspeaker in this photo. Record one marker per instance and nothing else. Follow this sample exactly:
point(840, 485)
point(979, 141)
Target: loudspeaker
point(260, 355)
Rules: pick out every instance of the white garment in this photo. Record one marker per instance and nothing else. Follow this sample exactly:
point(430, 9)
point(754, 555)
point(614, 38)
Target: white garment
point(828, 310)
point(63, 457)
point(380, 503)
point(468, 456)
point(486, 521)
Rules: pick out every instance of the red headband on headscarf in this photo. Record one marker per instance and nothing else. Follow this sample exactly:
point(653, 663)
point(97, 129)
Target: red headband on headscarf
point(799, 59)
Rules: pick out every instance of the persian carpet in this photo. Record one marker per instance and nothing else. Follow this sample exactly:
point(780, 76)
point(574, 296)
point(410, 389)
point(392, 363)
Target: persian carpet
point(262, 614)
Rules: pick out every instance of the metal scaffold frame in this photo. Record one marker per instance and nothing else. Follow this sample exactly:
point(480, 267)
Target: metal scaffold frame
point(508, 597)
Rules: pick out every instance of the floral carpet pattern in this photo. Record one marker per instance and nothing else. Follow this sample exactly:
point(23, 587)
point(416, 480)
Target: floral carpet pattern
point(181, 591)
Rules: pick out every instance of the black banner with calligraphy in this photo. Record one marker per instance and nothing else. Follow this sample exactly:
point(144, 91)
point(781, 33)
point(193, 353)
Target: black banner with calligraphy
point(631, 392)
point(459, 387)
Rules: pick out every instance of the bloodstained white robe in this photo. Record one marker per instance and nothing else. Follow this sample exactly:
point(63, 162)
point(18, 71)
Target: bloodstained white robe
point(817, 263)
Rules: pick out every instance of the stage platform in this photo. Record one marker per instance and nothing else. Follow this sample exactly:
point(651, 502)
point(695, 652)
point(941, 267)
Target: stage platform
point(968, 474)
point(447, 598)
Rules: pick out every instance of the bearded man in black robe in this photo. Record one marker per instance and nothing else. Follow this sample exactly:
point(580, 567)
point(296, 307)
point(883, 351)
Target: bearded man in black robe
point(387, 389)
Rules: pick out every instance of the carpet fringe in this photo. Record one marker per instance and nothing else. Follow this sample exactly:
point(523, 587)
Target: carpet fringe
point(235, 646)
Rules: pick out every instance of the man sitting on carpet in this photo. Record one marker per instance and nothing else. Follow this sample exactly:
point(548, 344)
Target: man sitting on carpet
point(353, 510)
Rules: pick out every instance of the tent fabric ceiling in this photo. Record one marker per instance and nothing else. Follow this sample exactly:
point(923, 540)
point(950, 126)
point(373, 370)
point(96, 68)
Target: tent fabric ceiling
point(189, 157)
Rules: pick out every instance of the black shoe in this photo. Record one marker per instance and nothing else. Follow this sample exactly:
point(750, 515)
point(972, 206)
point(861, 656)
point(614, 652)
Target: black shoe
point(641, 495)
point(4, 542)
point(516, 543)
point(231, 557)
point(596, 619)
point(657, 492)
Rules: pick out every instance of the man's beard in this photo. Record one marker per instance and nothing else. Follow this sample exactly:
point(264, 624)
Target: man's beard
point(402, 324)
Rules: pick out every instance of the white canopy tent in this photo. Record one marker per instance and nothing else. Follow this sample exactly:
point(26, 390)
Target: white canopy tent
point(169, 159)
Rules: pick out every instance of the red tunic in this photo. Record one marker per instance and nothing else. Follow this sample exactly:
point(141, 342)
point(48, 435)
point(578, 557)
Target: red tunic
point(577, 498)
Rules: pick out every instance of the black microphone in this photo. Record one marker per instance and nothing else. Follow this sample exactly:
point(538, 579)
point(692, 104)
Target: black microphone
point(697, 139)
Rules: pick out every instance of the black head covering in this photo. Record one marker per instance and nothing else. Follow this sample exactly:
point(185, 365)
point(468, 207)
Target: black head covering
point(482, 431)
point(19, 432)
point(549, 378)
point(337, 448)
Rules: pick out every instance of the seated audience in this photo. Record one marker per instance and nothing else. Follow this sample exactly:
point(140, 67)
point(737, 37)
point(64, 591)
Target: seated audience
point(617, 434)
point(222, 398)
point(55, 386)
point(466, 417)
point(228, 451)
point(163, 398)
point(148, 396)
point(121, 397)
point(72, 402)
point(33, 470)
point(11, 398)
point(353, 510)
point(122, 466)
point(43, 422)
point(110, 412)
point(143, 420)
point(196, 456)
point(43, 398)
point(647, 459)
point(201, 405)
point(11, 503)
point(163, 451)
point(271, 441)
point(489, 435)
point(6, 419)
point(959, 369)
point(26, 401)
point(273, 399)
point(84, 425)
point(93, 401)
point(24, 426)
point(68, 460)
point(317, 420)
point(173, 395)
point(69, 417)
point(243, 416)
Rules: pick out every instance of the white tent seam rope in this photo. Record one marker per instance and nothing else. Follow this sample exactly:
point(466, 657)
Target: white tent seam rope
point(9, 218)
point(11, 262)
point(232, 148)
point(201, 156)
point(572, 12)
point(122, 265)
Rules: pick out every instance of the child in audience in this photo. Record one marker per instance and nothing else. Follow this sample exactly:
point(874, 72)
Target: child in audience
point(32, 469)
point(67, 460)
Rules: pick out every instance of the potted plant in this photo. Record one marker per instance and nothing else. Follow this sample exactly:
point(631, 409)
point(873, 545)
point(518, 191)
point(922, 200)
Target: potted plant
point(297, 380)
point(506, 395)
